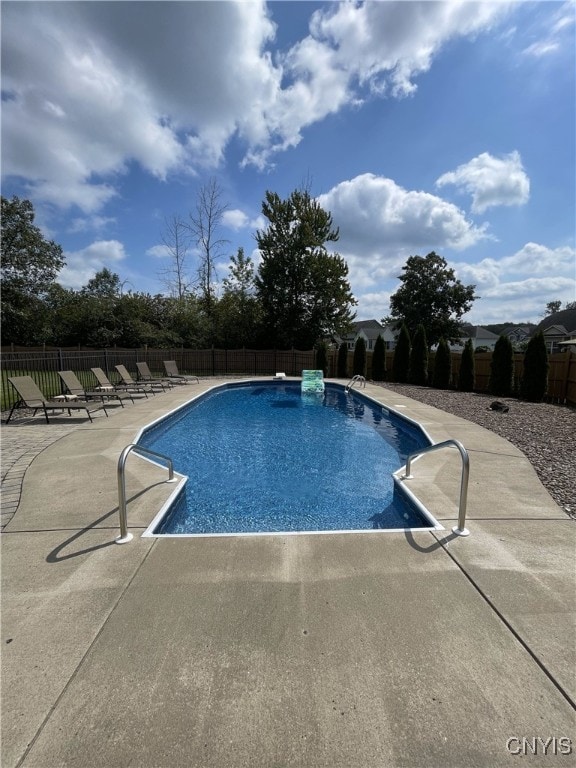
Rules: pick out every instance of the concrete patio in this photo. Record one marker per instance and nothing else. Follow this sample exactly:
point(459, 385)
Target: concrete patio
point(340, 651)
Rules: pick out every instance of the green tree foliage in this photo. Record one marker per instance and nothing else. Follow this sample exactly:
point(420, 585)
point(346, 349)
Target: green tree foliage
point(401, 361)
point(379, 360)
point(238, 311)
point(502, 368)
point(442, 376)
point(303, 290)
point(431, 295)
point(359, 361)
point(343, 361)
point(29, 266)
point(535, 375)
point(466, 375)
point(419, 358)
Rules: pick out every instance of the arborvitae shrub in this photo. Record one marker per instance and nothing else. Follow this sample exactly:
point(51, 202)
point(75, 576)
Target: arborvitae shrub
point(419, 358)
point(442, 366)
point(343, 361)
point(401, 361)
point(322, 358)
point(535, 376)
point(359, 363)
point(502, 368)
point(379, 360)
point(466, 374)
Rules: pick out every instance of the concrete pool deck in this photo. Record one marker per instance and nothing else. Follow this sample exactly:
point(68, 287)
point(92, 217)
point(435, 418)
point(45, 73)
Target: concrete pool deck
point(345, 651)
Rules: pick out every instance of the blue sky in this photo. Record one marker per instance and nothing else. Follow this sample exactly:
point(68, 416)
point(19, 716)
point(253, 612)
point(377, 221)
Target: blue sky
point(446, 126)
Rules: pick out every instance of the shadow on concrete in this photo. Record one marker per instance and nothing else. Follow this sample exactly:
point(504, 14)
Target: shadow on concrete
point(55, 557)
point(438, 543)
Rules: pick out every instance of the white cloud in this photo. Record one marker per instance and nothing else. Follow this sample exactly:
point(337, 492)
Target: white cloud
point(491, 181)
point(95, 87)
point(235, 219)
point(376, 215)
point(159, 252)
point(82, 265)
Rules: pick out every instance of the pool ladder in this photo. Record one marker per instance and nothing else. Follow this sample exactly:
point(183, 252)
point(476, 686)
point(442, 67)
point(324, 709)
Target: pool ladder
point(125, 536)
point(460, 529)
point(360, 380)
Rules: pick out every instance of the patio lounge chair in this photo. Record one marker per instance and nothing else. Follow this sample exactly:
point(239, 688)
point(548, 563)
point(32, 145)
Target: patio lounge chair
point(128, 381)
point(76, 390)
point(172, 373)
point(32, 397)
point(106, 386)
point(145, 375)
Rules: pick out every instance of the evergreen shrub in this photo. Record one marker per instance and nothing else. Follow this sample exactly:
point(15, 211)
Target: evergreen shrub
point(343, 361)
point(379, 360)
point(502, 368)
point(359, 362)
point(442, 377)
point(418, 373)
point(467, 371)
point(401, 361)
point(535, 376)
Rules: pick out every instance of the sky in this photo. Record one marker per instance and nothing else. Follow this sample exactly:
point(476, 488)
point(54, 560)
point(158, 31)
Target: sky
point(421, 126)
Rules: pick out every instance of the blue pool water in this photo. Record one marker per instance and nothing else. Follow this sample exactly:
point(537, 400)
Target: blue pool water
point(265, 458)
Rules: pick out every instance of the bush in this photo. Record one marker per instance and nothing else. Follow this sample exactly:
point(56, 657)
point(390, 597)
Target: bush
point(322, 358)
point(419, 358)
point(502, 368)
point(401, 361)
point(467, 372)
point(379, 360)
point(342, 368)
point(359, 363)
point(535, 376)
point(442, 366)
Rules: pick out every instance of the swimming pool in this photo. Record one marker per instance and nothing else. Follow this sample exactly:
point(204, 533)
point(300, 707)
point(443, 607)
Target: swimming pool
point(261, 457)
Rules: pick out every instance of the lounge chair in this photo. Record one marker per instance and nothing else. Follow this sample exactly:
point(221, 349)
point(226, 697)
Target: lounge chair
point(128, 381)
point(76, 390)
point(172, 372)
point(32, 397)
point(106, 386)
point(145, 375)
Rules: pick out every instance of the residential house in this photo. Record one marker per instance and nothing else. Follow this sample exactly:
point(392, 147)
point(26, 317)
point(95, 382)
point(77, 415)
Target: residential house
point(369, 330)
point(557, 328)
point(481, 337)
point(518, 334)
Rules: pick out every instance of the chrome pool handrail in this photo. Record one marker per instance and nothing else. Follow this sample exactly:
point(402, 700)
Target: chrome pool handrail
point(460, 529)
point(357, 379)
point(125, 536)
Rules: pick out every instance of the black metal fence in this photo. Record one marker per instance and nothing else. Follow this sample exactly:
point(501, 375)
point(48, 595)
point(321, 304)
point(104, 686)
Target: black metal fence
point(43, 365)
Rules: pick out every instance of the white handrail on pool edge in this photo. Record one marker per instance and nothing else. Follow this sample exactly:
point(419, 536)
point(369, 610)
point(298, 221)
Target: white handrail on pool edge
point(125, 536)
point(460, 529)
point(358, 379)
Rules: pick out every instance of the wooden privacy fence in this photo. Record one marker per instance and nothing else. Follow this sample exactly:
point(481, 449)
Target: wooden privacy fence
point(43, 365)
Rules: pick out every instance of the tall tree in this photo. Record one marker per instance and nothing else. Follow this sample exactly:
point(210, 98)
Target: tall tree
point(303, 289)
point(430, 294)
point(176, 239)
point(204, 227)
point(238, 311)
point(30, 264)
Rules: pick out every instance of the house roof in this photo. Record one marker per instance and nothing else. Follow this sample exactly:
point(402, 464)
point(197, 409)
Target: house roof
point(477, 332)
point(565, 318)
point(363, 325)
